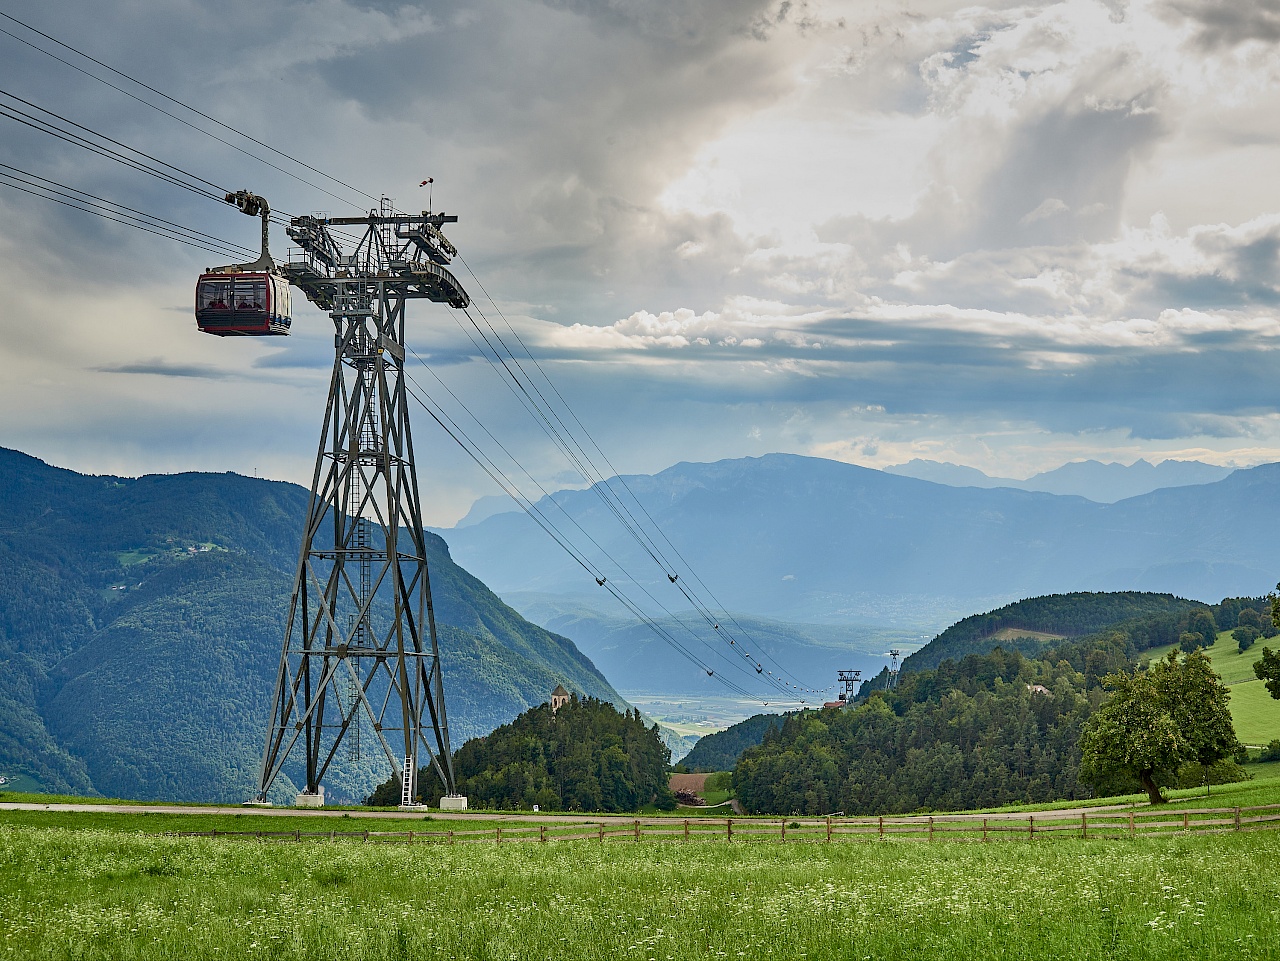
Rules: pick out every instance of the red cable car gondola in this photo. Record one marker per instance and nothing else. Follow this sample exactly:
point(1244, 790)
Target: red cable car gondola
point(244, 299)
point(245, 303)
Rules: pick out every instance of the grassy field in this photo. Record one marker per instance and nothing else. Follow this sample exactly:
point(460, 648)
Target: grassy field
point(94, 894)
point(1255, 712)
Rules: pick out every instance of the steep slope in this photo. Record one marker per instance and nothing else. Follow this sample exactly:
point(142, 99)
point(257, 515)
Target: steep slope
point(142, 620)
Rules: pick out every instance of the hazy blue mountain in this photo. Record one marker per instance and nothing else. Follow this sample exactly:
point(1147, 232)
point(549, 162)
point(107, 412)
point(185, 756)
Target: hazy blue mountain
point(1108, 483)
point(953, 475)
point(140, 628)
point(485, 507)
point(1104, 483)
point(803, 539)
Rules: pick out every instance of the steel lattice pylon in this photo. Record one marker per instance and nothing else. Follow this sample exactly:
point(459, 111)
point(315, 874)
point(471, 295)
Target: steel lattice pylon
point(360, 646)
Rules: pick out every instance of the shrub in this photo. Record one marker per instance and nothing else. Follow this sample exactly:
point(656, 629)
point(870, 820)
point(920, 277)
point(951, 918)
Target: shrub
point(1226, 771)
point(1245, 637)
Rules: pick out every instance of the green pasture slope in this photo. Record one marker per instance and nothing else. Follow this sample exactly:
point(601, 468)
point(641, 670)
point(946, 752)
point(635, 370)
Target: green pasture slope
point(1254, 711)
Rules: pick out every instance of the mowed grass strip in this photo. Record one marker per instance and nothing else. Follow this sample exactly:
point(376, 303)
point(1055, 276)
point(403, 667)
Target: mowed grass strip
point(100, 894)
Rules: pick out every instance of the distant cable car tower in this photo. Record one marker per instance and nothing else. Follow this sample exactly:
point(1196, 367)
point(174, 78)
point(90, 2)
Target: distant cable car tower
point(360, 642)
point(850, 681)
point(893, 668)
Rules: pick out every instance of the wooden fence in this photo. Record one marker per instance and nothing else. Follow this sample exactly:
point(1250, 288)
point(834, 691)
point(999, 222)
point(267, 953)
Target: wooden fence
point(971, 827)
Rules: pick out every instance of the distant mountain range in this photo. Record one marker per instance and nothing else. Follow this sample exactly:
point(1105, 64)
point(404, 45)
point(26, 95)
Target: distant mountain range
point(140, 628)
point(1104, 483)
point(801, 539)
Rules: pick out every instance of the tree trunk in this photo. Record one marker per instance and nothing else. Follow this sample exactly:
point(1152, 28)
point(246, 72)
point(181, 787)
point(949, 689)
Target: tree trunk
point(1153, 791)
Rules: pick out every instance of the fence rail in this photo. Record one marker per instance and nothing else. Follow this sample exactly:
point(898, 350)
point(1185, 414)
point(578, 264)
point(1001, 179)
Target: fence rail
point(955, 827)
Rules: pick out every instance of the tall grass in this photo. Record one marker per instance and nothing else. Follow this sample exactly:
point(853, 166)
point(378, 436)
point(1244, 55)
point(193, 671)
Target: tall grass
point(89, 894)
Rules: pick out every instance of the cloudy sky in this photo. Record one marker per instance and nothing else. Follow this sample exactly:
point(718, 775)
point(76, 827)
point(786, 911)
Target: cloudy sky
point(1003, 235)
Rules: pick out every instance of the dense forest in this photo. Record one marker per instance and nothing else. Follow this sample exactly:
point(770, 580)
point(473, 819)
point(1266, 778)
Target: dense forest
point(1092, 655)
point(994, 729)
point(1065, 615)
point(584, 757)
point(720, 751)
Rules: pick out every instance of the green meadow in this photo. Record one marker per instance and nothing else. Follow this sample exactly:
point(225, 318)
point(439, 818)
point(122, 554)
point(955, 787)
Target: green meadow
point(95, 893)
point(1255, 712)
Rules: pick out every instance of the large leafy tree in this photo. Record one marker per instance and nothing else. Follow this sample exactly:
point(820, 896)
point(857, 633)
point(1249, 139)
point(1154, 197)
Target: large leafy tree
point(1157, 720)
point(1268, 669)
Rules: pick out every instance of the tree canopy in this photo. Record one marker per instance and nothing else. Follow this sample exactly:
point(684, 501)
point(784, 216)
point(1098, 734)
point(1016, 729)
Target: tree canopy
point(994, 729)
point(584, 757)
point(1157, 720)
point(1268, 669)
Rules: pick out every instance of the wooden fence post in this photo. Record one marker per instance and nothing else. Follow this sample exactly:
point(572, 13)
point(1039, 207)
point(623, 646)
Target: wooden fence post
point(686, 829)
point(1084, 826)
point(828, 827)
point(637, 829)
point(1237, 819)
point(930, 827)
point(601, 827)
point(1186, 821)
point(882, 827)
point(1031, 826)
point(1132, 829)
point(984, 829)
point(542, 832)
point(410, 837)
point(728, 827)
point(784, 829)
point(451, 837)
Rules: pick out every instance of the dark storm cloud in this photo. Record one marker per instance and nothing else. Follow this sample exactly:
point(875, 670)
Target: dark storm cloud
point(1226, 23)
point(162, 368)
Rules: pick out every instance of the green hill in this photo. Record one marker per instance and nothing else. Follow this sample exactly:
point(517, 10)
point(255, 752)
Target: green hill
point(1037, 623)
point(1255, 713)
point(1143, 621)
point(140, 628)
point(584, 756)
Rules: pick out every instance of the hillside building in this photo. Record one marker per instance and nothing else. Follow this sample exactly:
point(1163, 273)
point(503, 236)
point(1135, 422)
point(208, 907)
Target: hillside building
point(559, 698)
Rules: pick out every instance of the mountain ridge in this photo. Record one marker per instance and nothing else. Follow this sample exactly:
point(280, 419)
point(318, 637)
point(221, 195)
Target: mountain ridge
point(805, 539)
point(141, 622)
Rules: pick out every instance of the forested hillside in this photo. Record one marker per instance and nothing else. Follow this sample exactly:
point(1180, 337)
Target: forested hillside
point(584, 757)
point(1057, 615)
point(1096, 628)
point(140, 628)
point(720, 751)
point(975, 734)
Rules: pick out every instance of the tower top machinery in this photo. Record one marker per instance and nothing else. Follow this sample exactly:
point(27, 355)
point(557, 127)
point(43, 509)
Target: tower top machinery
point(360, 660)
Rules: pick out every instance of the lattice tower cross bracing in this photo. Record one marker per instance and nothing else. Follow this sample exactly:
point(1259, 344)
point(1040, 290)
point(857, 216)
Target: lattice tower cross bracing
point(360, 652)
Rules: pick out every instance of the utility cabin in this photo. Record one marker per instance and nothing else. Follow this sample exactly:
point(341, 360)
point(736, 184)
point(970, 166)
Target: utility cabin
point(243, 304)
